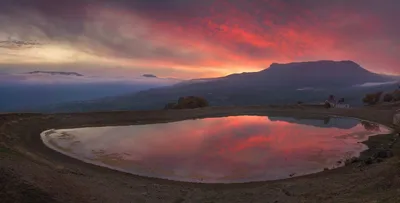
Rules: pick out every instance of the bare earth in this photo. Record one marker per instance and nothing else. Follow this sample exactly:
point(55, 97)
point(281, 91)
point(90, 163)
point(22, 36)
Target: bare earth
point(30, 172)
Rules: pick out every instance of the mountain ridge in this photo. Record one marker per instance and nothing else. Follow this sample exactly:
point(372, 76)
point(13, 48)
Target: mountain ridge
point(280, 83)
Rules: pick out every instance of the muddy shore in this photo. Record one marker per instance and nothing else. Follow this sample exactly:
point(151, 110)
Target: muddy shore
point(31, 172)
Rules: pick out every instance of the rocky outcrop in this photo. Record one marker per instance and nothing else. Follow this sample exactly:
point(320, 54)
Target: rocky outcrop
point(190, 102)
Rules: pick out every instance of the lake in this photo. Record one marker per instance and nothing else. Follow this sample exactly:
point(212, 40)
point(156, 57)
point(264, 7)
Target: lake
point(230, 149)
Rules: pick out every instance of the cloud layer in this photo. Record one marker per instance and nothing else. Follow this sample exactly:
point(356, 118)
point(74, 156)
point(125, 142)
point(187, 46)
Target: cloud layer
point(193, 38)
point(37, 79)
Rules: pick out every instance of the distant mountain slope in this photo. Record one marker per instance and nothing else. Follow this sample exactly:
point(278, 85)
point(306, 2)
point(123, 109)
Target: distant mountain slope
point(43, 89)
point(321, 74)
point(280, 83)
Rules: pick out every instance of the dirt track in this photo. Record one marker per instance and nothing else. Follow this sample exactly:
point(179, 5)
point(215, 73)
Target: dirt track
point(30, 172)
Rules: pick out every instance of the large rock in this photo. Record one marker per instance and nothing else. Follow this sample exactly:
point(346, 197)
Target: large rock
point(190, 102)
point(384, 153)
point(388, 98)
point(396, 119)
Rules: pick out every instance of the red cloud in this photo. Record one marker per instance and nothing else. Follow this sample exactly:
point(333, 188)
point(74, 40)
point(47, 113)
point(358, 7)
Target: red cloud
point(220, 37)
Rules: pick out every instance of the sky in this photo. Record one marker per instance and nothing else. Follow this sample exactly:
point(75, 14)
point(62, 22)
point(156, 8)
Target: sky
point(195, 39)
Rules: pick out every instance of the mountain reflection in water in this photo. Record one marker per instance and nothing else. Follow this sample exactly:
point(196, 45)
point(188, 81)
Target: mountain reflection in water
point(325, 122)
point(211, 150)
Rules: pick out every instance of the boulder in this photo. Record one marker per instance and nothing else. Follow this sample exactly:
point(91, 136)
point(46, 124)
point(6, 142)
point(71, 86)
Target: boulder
point(327, 105)
point(351, 161)
point(388, 98)
point(170, 105)
point(396, 119)
point(396, 95)
point(369, 161)
point(370, 126)
point(384, 153)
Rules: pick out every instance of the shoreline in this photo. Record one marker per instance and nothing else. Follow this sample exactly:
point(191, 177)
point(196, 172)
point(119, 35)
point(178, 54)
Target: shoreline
point(42, 167)
point(361, 157)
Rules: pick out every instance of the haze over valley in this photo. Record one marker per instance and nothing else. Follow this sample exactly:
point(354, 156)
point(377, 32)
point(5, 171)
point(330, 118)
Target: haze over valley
point(309, 82)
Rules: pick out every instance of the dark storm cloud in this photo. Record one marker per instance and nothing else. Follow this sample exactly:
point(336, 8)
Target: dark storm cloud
point(61, 19)
point(74, 12)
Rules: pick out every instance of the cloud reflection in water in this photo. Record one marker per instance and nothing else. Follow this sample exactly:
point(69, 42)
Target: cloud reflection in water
point(228, 149)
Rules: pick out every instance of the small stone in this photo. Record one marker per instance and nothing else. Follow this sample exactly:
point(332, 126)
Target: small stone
point(368, 161)
point(385, 153)
point(351, 161)
point(326, 169)
point(379, 160)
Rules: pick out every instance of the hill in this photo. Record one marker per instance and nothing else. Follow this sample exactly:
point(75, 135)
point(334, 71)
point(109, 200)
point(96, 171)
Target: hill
point(278, 84)
point(41, 89)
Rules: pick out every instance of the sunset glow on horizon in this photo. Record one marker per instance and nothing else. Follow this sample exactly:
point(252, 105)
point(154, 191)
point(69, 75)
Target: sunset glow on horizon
point(194, 39)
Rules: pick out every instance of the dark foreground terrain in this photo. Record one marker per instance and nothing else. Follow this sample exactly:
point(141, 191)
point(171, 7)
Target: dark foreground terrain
point(30, 172)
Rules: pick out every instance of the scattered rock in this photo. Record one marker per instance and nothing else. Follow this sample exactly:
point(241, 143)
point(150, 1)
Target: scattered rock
point(396, 95)
point(179, 200)
point(384, 153)
point(368, 161)
point(75, 172)
point(287, 193)
point(351, 161)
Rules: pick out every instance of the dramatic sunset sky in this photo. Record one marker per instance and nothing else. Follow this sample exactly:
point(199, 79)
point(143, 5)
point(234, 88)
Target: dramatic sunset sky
point(195, 38)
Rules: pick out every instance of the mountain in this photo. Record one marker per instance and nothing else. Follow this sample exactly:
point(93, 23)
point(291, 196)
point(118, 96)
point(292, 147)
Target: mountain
point(55, 73)
point(317, 74)
point(278, 84)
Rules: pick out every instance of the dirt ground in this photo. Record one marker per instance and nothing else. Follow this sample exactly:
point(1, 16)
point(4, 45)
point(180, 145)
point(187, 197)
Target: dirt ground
point(31, 172)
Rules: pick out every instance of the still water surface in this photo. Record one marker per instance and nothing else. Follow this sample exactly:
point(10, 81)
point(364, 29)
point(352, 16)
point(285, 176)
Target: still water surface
point(219, 150)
